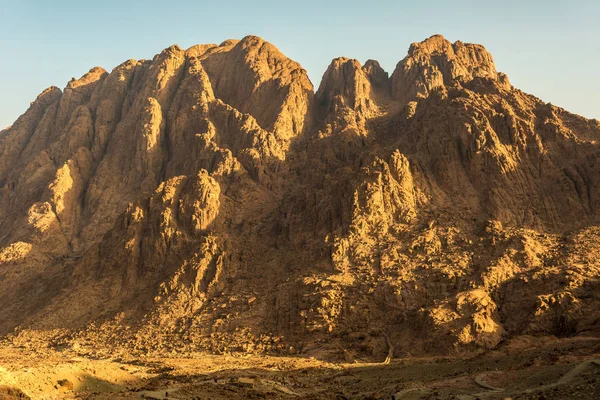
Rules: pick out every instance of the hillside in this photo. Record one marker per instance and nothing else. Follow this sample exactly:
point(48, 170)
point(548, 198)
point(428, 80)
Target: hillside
point(210, 200)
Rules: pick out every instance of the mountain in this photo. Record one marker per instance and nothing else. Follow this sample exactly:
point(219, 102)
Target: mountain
point(210, 199)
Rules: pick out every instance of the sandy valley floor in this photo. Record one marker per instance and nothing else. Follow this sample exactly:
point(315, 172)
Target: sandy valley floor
point(561, 369)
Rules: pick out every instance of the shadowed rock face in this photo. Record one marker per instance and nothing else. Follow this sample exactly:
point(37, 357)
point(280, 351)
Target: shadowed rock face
point(208, 199)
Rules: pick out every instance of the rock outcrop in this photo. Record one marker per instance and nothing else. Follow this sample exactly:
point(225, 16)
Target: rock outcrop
point(209, 199)
point(436, 63)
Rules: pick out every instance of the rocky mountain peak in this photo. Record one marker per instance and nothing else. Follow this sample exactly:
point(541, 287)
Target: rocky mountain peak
point(93, 75)
point(229, 42)
point(435, 63)
point(256, 78)
point(48, 96)
point(377, 75)
point(434, 45)
point(346, 89)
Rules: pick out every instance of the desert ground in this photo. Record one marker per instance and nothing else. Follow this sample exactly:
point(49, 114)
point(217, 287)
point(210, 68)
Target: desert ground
point(524, 368)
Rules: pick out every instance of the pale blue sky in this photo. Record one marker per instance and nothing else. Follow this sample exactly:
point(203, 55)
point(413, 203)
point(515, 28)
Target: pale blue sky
point(548, 48)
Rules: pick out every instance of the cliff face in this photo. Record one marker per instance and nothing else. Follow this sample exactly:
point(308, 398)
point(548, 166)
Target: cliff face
point(207, 198)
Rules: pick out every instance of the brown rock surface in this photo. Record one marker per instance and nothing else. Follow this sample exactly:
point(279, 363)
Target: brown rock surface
point(208, 199)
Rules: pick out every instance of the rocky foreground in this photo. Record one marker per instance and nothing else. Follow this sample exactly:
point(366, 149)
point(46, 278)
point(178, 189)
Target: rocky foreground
point(208, 200)
point(527, 369)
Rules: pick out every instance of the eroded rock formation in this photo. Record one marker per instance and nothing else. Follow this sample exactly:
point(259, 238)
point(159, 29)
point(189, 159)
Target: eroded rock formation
point(209, 199)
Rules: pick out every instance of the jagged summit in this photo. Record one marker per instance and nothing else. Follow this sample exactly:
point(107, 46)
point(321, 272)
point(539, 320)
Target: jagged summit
point(345, 84)
point(470, 56)
point(377, 75)
point(435, 63)
point(209, 199)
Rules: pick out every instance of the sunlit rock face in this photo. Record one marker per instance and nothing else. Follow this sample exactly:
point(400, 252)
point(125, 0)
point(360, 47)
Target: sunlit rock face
point(209, 199)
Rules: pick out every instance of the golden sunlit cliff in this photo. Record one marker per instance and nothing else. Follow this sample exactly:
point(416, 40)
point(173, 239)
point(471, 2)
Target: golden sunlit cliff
point(210, 199)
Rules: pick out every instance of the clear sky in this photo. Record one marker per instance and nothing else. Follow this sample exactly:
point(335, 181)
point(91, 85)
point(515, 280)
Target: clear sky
point(550, 48)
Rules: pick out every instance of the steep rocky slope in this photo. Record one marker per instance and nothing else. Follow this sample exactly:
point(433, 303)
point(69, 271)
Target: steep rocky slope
point(210, 199)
